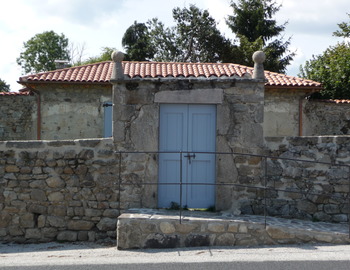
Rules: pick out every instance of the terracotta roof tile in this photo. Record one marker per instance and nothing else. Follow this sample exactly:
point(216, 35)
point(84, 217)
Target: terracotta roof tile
point(101, 73)
point(338, 101)
point(21, 93)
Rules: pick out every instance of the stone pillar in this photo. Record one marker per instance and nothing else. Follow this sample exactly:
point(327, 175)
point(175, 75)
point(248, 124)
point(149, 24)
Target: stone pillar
point(118, 72)
point(259, 58)
point(117, 79)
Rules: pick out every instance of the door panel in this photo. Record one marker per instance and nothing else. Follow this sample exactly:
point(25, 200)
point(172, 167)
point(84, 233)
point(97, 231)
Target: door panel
point(190, 129)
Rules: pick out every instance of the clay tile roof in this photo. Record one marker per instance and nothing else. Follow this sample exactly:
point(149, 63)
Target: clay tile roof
point(94, 73)
point(338, 101)
point(23, 92)
point(101, 73)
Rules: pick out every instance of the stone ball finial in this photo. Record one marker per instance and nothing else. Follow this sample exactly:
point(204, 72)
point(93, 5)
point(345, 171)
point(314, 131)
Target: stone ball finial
point(259, 57)
point(117, 56)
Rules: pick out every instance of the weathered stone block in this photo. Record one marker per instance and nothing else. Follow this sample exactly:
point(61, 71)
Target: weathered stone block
point(5, 219)
point(340, 218)
point(33, 234)
point(25, 170)
point(55, 182)
point(148, 227)
point(10, 195)
point(233, 228)
point(243, 228)
point(80, 225)
point(226, 239)
point(185, 227)
point(107, 224)
point(39, 184)
point(11, 169)
point(49, 232)
point(67, 236)
point(38, 195)
point(56, 197)
point(37, 209)
point(112, 213)
point(41, 221)
point(197, 240)
point(60, 211)
point(216, 227)
point(89, 212)
point(278, 233)
point(37, 170)
point(83, 236)
point(56, 222)
point(27, 220)
point(306, 206)
point(331, 209)
point(158, 240)
point(324, 237)
point(167, 227)
point(15, 230)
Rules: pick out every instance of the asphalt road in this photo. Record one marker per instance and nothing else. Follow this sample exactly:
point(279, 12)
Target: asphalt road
point(338, 265)
point(91, 256)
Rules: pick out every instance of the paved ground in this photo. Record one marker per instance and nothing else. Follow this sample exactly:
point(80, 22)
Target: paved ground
point(36, 256)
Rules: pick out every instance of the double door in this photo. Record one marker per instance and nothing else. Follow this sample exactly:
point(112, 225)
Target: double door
point(186, 131)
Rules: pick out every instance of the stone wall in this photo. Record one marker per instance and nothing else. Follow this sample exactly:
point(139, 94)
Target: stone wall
point(307, 190)
point(58, 190)
point(239, 104)
point(326, 118)
point(17, 117)
point(145, 228)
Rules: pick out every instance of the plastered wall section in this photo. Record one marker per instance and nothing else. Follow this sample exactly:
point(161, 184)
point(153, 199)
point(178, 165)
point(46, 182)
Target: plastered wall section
point(72, 111)
point(281, 111)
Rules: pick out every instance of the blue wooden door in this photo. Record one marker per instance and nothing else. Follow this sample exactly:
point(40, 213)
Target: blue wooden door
point(189, 129)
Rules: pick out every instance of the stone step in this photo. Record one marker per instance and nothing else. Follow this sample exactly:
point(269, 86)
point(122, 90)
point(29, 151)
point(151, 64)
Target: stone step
point(149, 228)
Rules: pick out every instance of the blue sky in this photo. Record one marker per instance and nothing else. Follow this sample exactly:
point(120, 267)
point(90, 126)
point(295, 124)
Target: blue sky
point(102, 23)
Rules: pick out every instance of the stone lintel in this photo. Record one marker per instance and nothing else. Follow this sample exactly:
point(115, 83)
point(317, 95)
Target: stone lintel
point(199, 96)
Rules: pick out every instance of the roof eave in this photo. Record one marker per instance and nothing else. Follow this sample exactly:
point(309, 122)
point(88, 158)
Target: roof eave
point(62, 82)
point(294, 87)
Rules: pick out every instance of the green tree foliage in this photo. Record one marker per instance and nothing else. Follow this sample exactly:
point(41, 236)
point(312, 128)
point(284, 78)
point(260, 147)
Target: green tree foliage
point(163, 41)
point(137, 42)
point(252, 21)
point(331, 68)
point(344, 29)
point(4, 87)
point(104, 56)
point(195, 38)
point(40, 52)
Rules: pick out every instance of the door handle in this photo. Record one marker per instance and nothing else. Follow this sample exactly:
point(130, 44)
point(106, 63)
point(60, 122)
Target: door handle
point(189, 156)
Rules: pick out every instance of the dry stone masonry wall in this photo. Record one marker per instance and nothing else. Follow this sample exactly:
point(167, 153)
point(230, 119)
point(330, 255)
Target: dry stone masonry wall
point(308, 190)
point(17, 117)
point(58, 190)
